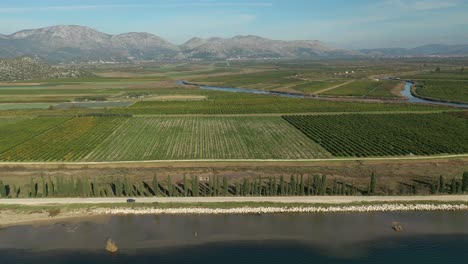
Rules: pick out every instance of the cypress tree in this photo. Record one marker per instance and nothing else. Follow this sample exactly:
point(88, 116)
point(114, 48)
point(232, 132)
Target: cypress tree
point(317, 183)
point(155, 186)
point(292, 185)
point(2, 189)
point(465, 182)
point(323, 185)
point(301, 186)
point(453, 186)
point(195, 186)
point(441, 184)
point(185, 186)
point(238, 189)
point(281, 186)
point(335, 187)
point(372, 184)
point(225, 186)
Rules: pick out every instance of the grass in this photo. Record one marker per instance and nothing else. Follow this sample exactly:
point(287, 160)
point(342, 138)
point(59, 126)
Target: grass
point(365, 89)
point(386, 135)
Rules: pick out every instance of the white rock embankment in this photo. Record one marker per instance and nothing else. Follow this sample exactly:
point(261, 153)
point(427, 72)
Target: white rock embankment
point(274, 210)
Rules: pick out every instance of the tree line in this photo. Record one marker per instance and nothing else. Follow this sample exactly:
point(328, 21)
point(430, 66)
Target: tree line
point(194, 186)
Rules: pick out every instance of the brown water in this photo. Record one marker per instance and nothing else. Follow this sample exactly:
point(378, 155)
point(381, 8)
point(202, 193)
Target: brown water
point(330, 237)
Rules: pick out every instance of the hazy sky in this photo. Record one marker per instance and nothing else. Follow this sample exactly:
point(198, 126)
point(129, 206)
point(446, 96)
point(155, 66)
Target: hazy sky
point(343, 23)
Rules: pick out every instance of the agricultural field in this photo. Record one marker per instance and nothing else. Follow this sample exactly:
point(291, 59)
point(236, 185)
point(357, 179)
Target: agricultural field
point(446, 90)
point(71, 140)
point(236, 103)
point(366, 88)
point(386, 134)
point(314, 86)
point(206, 138)
point(14, 131)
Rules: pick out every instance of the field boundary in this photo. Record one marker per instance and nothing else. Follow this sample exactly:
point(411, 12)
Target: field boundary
point(237, 160)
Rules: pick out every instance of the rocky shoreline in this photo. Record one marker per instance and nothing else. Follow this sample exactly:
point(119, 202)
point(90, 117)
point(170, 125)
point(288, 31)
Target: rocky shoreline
point(287, 209)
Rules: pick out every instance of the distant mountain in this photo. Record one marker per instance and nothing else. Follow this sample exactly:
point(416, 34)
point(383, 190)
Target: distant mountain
point(77, 43)
point(83, 44)
point(426, 50)
point(257, 47)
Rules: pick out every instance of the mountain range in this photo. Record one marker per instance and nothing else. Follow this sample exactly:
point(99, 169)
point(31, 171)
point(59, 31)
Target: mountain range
point(72, 43)
point(80, 44)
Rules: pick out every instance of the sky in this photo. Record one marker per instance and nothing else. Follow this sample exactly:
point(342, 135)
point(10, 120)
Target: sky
point(352, 24)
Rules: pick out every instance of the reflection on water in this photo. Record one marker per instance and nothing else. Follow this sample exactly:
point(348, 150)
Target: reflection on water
point(348, 235)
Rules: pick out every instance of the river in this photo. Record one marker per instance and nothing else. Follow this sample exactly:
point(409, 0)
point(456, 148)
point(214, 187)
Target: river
point(427, 237)
point(405, 93)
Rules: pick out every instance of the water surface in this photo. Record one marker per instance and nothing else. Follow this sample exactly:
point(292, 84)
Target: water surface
point(428, 237)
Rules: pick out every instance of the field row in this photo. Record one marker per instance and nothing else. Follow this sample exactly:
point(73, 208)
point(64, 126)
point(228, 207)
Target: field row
point(116, 138)
point(386, 134)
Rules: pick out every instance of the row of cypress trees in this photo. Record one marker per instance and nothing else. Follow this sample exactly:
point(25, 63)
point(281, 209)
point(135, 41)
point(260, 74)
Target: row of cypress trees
point(295, 185)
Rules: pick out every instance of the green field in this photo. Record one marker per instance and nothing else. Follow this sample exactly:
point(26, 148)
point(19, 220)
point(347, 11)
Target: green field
point(386, 134)
point(365, 88)
point(115, 138)
point(229, 103)
point(206, 138)
point(314, 86)
point(454, 91)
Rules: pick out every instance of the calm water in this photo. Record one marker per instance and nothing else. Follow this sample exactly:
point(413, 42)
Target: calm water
point(428, 237)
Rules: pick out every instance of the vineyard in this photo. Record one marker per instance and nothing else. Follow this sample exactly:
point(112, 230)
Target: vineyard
point(252, 104)
point(386, 134)
point(365, 89)
point(206, 138)
point(14, 131)
point(71, 140)
point(456, 91)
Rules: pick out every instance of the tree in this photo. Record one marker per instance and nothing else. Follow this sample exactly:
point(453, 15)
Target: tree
point(195, 186)
point(323, 185)
point(225, 186)
point(372, 184)
point(465, 182)
point(2, 190)
point(169, 186)
point(437, 69)
point(441, 184)
point(185, 186)
point(281, 186)
point(453, 186)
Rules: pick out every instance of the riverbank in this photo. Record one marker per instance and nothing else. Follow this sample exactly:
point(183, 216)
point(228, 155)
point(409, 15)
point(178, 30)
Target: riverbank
point(44, 213)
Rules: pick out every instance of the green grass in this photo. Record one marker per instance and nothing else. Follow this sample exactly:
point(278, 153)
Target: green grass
point(206, 138)
point(365, 89)
point(242, 80)
point(386, 134)
point(456, 91)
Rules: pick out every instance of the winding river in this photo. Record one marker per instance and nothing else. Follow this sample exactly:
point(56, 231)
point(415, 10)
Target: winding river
point(405, 93)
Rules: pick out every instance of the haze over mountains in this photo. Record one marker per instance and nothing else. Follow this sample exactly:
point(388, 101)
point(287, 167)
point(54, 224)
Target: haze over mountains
point(83, 44)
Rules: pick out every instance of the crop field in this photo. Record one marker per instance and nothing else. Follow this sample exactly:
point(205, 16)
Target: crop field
point(456, 91)
point(314, 86)
point(244, 80)
point(365, 89)
point(386, 134)
point(206, 138)
point(252, 104)
point(71, 140)
point(14, 131)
